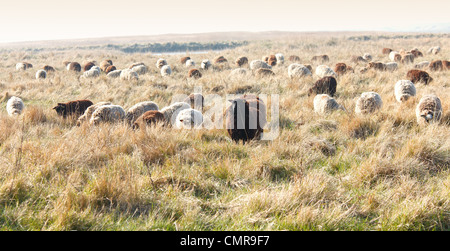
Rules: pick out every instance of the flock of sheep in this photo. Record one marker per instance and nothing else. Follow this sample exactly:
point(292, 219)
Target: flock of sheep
point(245, 116)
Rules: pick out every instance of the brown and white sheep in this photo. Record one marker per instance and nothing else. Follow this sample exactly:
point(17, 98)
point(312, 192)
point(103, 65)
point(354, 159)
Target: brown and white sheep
point(428, 110)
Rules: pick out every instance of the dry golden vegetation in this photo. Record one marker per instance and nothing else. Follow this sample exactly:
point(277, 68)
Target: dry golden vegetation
point(324, 172)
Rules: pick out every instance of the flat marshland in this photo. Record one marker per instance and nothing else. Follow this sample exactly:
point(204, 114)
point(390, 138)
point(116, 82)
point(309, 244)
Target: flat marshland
point(338, 171)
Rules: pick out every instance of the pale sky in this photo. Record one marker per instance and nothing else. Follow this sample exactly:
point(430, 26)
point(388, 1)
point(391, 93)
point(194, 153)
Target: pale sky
point(29, 20)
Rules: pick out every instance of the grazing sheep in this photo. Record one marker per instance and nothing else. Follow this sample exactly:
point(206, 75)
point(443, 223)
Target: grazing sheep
point(128, 74)
point(416, 53)
point(417, 76)
point(110, 69)
point(244, 119)
point(280, 58)
point(41, 74)
point(342, 68)
point(189, 119)
point(107, 113)
point(294, 58)
point(358, 59)
point(114, 74)
point(298, 70)
point(166, 70)
point(376, 66)
point(368, 102)
point(190, 63)
point(257, 64)
point(434, 50)
point(89, 111)
point(160, 63)
point(220, 59)
point(196, 100)
point(72, 108)
point(21, 67)
point(436, 65)
point(446, 64)
point(428, 110)
point(88, 66)
point(271, 60)
point(422, 65)
point(105, 64)
point(325, 85)
point(407, 58)
point(14, 106)
point(323, 103)
point(140, 69)
point(391, 66)
point(171, 112)
point(404, 89)
point(74, 66)
point(386, 51)
point(238, 72)
point(205, 64)
point(367, 57)
point(184, 59)
point(48, 68)
point(264, 72)
point(92, 73)
point(149, 118)
point(320, 58)
point(324, 71)
point(138, 109)
point(194, 73)
point(240, 61)
point(394, 56)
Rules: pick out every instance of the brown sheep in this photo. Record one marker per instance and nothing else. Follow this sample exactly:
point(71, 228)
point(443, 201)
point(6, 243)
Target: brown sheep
point(74, 66)
point(73, 108)
point(184, 59)
point(220, 59)
point(416, 53)
point(416, 76)
point(446, 64)
point(194, 73)
point(241, 61)
point(357, 59)
point(320, 58)
point(436, 65)
point(49, 68)
point(386, 51)
point(196, 100)
point(151, 117)
point(325, 85)
point(294, 58)
point(376, 66)
point(88, 66)
point(110, 69)
point(342, 68)
point(245, 119)
point(105, 64)
point(272, 61)
point(264, 72)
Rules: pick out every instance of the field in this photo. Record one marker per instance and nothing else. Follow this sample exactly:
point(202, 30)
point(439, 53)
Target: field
point(323, 172)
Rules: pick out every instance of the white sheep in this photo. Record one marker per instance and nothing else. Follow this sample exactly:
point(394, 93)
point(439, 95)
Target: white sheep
point(190, 63)
point(14, 106)
point(21, 67)
point(323, 103)
point(280, 58)
point(206, 64)
point(107, 113)
point(92, 73)
point(434, 50)
point(160, 63)
point(422, 65)
point(41, 74)
point(429, 109)
point(140, 69)
point(166, 70)
point(170, 112)
point(189, 119)
point(391, 66)
point(128, 74)
point(238, 72)
point(325, 71)
point(395, 56)
point(368, 102)
point(89, 111)
point(138, 109)
point(114, 74)
point(298, 70)
point(404, 89)
point(257, 64)
point(367, 57)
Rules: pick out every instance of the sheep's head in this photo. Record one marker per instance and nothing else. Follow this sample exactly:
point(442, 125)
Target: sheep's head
point(61, 109)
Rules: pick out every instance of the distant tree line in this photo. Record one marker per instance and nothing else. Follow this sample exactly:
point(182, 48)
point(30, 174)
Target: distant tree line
point(379, 37)
point(175, 47)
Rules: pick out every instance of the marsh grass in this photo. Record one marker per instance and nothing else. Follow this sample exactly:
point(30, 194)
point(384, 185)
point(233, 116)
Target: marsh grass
point(334, 172)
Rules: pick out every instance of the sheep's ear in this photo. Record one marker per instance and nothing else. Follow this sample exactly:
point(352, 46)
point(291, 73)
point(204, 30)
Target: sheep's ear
point(56, 107)
point(181, 120)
